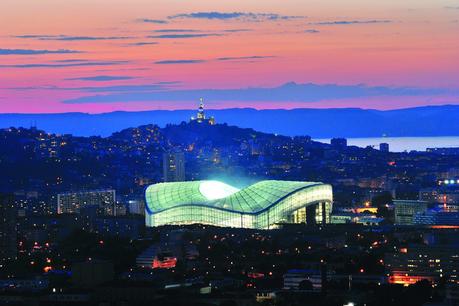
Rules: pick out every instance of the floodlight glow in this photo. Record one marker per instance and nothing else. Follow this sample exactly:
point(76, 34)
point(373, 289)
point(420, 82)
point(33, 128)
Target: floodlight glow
point(214, 190)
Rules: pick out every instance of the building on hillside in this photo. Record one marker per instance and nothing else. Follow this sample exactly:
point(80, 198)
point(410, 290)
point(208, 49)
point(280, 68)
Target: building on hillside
point(405, 210)
point(72, 202)
point(174, 167)
point(384, 147)
point(446, 193)
point(338, 143)
point(201, 115)
point(136, 207)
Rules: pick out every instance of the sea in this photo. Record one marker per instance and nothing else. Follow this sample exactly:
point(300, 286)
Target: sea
point(401, 144)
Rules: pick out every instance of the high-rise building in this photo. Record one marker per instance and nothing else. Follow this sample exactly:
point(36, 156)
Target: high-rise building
point(384, 147)
point(136, 207)
point(72, 202)
point(405, 210)
point(338, 142)
point(174, 166)
point(8, 232)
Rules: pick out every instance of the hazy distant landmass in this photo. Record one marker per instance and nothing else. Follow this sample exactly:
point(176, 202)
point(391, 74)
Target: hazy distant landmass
point(318, 123)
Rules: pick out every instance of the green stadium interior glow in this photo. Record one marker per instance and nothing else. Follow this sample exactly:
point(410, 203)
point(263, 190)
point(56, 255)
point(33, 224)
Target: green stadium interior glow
point(262, 205)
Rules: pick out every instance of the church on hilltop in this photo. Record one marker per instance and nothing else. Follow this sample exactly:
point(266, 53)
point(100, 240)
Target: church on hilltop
point(201, 116)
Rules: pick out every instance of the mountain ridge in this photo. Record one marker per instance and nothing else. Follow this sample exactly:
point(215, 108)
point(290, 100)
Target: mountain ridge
point(318, 123)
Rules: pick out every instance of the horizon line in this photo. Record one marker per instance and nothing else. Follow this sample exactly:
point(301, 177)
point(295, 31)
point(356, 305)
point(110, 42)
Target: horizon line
point(238, 108)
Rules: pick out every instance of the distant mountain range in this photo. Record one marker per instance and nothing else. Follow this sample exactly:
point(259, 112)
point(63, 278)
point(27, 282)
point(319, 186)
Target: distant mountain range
point(318, 123)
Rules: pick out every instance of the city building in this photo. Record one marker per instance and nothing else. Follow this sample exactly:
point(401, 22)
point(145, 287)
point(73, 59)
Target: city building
point(439, 218)
point(445, 193)
point(384, 147)
point(338, 142)
point(146, 258)
point(265, 296)
point(453, 172)
point(367, 219)
point(164, 260)
point(201, 115)
point(342, 218)
point(174, 166)
point(406, 209)
point(8, 231)
point(120, 210)
point(412, 264)
point(443, 151)
point(136, 207)
point(72, 202)
point(263, 205)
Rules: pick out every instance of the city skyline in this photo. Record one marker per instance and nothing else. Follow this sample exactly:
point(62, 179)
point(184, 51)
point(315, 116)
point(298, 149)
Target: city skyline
point(90, 57)
point(230, 153)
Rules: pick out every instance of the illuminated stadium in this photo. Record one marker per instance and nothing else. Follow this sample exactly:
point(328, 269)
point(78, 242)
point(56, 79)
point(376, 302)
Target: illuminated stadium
point(263, 205)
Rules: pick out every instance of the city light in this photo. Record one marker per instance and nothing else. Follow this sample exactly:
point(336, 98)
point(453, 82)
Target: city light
point(229, 152)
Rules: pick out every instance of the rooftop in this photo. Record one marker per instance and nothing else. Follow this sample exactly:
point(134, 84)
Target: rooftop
point(217, 194)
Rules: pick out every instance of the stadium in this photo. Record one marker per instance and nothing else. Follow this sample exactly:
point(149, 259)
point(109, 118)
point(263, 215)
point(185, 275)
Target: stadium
point(263, 205)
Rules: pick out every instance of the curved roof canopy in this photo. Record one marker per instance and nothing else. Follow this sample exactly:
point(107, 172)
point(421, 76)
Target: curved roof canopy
point(251, 199)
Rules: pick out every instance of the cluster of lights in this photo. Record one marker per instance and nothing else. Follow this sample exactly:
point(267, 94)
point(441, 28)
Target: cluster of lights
point(449, 182)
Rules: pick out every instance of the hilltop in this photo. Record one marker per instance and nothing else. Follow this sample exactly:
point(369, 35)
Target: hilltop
point(318, 123)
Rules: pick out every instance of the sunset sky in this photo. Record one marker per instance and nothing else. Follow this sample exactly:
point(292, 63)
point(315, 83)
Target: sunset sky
point(100, 55)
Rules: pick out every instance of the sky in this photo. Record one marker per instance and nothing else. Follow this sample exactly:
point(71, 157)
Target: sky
point(105, 55)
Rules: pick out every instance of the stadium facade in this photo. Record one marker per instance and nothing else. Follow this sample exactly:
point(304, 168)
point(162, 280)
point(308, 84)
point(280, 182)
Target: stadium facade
point(263, 205)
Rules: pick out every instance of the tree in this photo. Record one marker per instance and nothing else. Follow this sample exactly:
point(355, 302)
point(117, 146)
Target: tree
point(305, 285)
point(228, 303)
point(380, 201)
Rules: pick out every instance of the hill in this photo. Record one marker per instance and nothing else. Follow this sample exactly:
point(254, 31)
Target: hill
point(318, 123)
